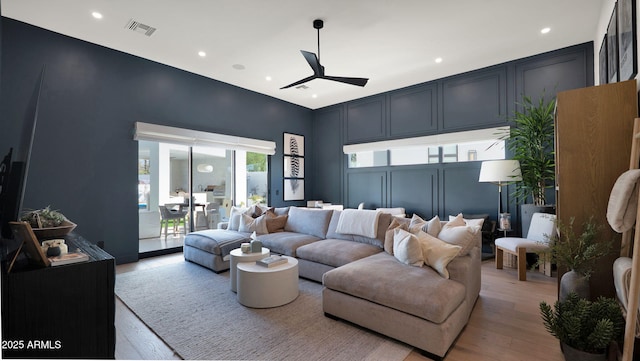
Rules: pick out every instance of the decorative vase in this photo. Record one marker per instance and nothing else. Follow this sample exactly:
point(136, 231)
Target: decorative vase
point(572, 354)
point(573, 281)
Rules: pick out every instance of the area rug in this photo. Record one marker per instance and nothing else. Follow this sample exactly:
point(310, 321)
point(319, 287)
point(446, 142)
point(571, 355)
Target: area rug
point(193, 310)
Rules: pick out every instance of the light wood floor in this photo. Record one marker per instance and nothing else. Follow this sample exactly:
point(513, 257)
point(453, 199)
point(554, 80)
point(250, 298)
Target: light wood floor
point(505, 324)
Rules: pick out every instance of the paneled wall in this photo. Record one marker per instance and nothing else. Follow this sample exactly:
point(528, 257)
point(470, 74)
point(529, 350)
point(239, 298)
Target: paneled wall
point(478, 99)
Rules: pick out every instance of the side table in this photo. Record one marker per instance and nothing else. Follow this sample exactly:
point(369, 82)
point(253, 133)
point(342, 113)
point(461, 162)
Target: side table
point(236, 256)
point(264, 287)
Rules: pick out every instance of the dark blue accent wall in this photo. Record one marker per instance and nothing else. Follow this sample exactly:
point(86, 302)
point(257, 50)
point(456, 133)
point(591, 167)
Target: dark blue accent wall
point(477, 99)
point(84, 159)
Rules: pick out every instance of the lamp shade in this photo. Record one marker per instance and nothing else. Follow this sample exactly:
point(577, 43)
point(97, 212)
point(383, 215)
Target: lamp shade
point(500, 171)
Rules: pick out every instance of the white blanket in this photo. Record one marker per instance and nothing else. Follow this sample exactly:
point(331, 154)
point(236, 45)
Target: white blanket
point(622, 281)
point(361, 222)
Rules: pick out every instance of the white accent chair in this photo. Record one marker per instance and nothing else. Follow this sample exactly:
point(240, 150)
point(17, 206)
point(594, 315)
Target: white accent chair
point(541, 232)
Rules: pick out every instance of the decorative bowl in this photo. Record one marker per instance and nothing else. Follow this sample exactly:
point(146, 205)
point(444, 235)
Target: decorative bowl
point(54, 232)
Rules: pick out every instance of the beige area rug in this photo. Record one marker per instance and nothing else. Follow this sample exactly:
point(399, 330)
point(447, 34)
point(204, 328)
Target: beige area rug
point(193, 310)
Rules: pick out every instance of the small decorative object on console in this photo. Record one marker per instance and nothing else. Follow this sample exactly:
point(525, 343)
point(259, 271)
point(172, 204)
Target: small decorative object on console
point(245, 247)
point(272, 261)
point(47, 223)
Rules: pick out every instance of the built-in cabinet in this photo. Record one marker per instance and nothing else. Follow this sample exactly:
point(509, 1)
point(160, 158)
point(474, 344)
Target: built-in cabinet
point(593, 141)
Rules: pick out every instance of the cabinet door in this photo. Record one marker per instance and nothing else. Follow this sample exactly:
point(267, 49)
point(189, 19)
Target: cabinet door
point(593, 143)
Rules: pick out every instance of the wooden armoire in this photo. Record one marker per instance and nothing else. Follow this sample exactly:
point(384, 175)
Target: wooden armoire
point(594, 127)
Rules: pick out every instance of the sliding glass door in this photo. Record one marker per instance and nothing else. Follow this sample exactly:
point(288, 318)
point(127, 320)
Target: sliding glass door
point(183, 189)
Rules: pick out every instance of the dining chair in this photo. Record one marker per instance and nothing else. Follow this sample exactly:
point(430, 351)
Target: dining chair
point(175, 216)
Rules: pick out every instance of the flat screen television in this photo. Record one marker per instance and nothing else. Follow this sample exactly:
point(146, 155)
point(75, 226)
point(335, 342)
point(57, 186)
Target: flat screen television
point(14, 168)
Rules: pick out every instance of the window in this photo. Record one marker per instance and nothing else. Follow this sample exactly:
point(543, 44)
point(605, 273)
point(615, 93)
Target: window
point(475, 145)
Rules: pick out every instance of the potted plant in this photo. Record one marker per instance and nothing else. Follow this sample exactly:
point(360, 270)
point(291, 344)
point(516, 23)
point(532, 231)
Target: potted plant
point(532, 142)
point(48, 223)
point(579, 254)
point(585, 329)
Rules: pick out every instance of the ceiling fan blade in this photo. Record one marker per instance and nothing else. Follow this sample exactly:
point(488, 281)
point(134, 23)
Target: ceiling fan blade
point(352, 81)
point(300, 81)
point(313, 61)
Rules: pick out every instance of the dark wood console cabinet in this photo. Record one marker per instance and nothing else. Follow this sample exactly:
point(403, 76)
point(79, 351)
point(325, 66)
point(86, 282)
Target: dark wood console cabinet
point(61, 312)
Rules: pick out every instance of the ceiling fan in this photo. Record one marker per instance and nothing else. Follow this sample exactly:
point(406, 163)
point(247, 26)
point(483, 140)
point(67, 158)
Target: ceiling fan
point(318, 70)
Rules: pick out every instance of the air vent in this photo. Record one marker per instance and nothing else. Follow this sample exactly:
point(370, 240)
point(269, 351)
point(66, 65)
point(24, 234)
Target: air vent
point(140, 28)
point(302, 87)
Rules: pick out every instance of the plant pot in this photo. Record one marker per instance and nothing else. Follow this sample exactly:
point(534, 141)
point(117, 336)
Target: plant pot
point(572, 354)
point(573, 281)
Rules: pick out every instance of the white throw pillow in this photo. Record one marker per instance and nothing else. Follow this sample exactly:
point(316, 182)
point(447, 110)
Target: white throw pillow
point(416, 223)
point(463, 236)
point(436, 253)
point(433, 226)
point(235, 217)
point(406, 248)
point(456, 221)
point(470, 222)
point(250, 224)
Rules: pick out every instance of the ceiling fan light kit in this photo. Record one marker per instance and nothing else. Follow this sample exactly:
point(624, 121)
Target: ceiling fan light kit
point(318, 70)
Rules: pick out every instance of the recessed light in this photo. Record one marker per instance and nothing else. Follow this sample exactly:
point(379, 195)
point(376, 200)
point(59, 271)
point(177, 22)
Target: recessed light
point(96, 15)
point(267, 78)
point(238, 66)
point(202, 54)
point(545, 30)
point(438, 60)
point(314, 96)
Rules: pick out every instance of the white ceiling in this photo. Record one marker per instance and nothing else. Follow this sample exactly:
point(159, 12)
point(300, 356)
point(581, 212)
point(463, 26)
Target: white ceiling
point(393, 43)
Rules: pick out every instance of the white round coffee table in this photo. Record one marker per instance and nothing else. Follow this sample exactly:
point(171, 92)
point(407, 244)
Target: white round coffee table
point(236, 256)
point(263, 287)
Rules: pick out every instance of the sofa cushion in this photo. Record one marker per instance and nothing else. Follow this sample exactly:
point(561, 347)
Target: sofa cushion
point(309, 221)
point(419, 291)
point(216, 241)
point(336, 252)
point(286, 242)
point(275, 223)
point(384, 219)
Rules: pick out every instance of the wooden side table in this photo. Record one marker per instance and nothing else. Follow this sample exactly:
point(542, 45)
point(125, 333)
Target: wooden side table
point(264, 287)
point(236, 256)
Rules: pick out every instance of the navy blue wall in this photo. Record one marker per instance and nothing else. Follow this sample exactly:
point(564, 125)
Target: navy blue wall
point(84, 159)
point(478, 99)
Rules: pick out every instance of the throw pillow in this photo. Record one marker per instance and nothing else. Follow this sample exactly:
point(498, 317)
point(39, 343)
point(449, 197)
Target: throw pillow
point(433, 226)
point(416, 223)
point(250, 224)
point(470, 221)
point(275, 223)
point(406, 248)
point(456, 221)
point(436, 253)
point(463, 236)
point(402, 223)
point(234, 218)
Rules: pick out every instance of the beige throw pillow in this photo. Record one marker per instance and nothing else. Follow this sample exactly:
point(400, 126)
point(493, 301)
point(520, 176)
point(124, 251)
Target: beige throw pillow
point(463, 236)
point(234, 218)
point(275, 223)
point(433, 226)
point(436, 253)
point(406, 248)
point(402, 223)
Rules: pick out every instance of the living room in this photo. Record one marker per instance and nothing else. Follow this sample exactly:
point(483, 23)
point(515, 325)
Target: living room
point(84, 156)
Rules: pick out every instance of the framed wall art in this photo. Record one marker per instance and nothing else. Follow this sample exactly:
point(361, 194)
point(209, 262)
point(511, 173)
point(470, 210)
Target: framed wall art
point(293, 166)
point(294, 189)
point(627, 47)
point(604, 76)
point(612, 47)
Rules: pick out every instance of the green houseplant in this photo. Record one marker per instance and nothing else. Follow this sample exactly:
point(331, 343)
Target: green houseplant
point(532, 144)
point(578, 253)
point(583, 325)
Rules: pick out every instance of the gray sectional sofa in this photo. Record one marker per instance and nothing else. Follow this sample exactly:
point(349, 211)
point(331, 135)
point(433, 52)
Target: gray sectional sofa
point(363, 283)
